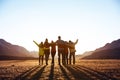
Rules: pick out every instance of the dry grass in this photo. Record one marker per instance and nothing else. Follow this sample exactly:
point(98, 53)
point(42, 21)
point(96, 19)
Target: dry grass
point(82, 70)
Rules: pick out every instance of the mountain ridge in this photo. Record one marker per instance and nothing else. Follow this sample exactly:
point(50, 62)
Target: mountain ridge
point(7, 50)
point(109, 51)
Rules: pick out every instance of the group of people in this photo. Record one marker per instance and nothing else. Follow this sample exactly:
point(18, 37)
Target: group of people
point(64, 48)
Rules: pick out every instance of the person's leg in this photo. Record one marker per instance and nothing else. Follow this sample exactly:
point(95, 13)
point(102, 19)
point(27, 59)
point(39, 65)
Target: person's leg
point(74, 58)
point(70, 58)
point(48, 53)
point(67, 58)
point(46, 57)
point(42, 59)
point(63, 57)
point(39, 59)
point(58, 57)
point(53, 57)
point(64, 60)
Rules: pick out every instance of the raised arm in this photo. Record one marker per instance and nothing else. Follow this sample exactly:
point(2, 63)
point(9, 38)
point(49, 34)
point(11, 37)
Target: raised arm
point(36, 43)
point(76, 41)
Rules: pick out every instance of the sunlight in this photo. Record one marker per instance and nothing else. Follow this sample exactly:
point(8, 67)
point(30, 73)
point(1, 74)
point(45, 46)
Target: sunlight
point(39, 20)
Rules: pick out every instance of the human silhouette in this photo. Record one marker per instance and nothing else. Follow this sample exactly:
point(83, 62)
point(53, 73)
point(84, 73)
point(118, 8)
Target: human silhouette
point(41, 51)
point(66, 51)
point(60, 44)
point(53, 50)
point(46, 50)
point(72, 50)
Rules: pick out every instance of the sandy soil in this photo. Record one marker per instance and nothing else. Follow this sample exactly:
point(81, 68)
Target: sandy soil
point(82, 70)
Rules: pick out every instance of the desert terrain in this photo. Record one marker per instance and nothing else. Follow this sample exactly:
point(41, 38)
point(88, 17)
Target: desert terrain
point(82, 70)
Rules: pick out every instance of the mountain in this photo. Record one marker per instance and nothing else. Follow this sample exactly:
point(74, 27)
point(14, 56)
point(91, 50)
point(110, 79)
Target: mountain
point(109, 51)
point(10, 51)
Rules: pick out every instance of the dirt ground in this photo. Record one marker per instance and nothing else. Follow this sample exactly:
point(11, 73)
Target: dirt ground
point(82, 70)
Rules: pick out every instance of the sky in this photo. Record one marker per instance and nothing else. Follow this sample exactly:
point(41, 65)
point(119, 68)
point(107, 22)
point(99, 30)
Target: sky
point(93, 22)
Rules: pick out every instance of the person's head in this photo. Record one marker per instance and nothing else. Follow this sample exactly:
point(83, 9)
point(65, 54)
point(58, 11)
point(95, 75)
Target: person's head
point(41, 43)
point(46, 40)
point(70, 41)
point(59, 37)
point(52, 41)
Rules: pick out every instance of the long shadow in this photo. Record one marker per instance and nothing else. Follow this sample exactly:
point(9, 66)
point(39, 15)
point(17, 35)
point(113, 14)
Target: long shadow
point(80, 72)
point(38, 74)
point(100, 75)
point(78, 75)
point(26, 73)
point(64, 73)
point(51, 75)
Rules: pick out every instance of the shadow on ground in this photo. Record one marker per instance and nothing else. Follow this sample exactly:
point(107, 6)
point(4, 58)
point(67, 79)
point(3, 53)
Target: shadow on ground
point(32, 74)
point(68, 72)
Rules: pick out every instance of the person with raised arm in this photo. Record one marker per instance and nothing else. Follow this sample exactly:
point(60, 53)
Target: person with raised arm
point(41, 51)
point(72, 50)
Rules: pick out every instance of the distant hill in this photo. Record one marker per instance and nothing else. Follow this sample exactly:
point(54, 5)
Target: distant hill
point(80, 56)
point(109, 51)
point(10, 51)
point(87, 53)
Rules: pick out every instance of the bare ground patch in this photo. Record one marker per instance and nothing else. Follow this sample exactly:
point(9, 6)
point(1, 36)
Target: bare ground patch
point(82, 70)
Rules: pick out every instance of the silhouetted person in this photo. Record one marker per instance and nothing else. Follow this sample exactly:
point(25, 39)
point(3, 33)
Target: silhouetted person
point(60, 44)
point(53, 50)
point(66, 47)
point(41, 51)
point(46, 50)
point(72, 50)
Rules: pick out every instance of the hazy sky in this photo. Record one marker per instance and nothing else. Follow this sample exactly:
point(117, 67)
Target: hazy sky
point(93, 22)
